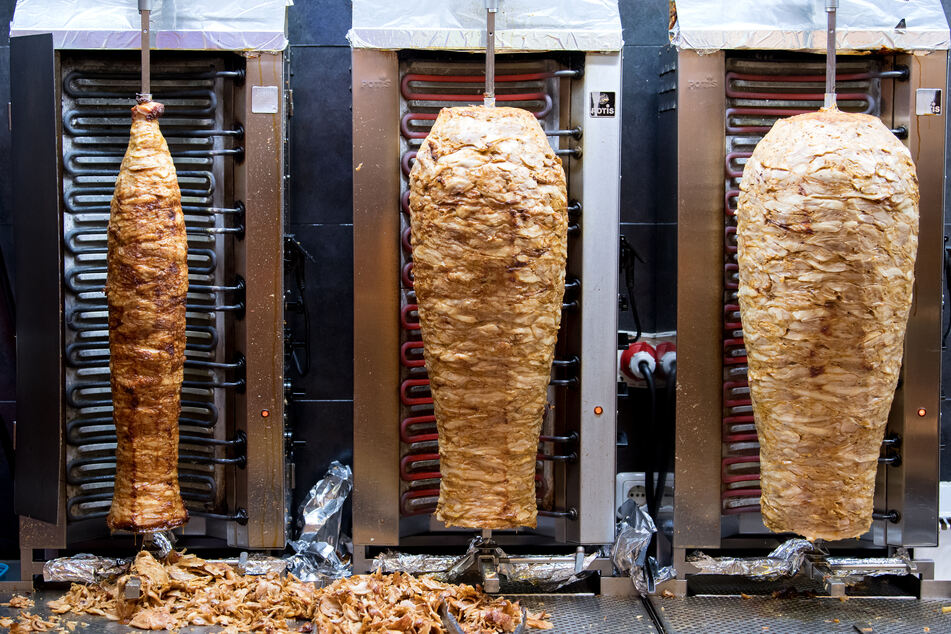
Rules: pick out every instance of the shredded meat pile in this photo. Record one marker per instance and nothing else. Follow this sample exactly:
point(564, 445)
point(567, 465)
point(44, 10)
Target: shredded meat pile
point(187, 591)
point(29, 622)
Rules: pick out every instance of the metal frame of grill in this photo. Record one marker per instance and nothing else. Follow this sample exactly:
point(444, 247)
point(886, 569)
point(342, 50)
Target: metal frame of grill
point(233, 463)
point(397, 95)
point(713, 110)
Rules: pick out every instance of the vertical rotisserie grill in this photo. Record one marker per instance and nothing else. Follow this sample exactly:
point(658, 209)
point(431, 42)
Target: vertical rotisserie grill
point(397, 96)
point(201, 139)
point(425, 88)
point(759, 91)
point(722, 89)
point(224, 123)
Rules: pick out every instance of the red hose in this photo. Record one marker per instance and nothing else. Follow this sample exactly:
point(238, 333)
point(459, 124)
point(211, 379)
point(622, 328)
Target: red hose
point(405, 165)
point(413, 494)
point(734, 155)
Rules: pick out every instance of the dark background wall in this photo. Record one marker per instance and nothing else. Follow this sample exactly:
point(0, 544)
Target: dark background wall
point(321, 219)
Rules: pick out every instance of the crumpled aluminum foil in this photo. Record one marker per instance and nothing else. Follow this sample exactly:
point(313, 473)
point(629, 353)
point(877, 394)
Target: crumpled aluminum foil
point(160, 543)
point(853, 570)
point(254, 564)
point(858, 567)
point(785, 561)
point(317, 550)
point(84, 568)
point(436, 565)
point(635, 529)
point(543, 575)
point(262, 565)
point(546, 577)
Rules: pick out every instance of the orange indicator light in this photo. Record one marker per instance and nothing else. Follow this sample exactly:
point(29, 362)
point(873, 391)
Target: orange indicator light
point(598, 410)
point(922, 411)
point(265, 413)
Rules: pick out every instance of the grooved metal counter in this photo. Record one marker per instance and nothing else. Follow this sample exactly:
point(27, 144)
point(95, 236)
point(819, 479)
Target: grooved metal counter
point(575, 614)
point(759, 615)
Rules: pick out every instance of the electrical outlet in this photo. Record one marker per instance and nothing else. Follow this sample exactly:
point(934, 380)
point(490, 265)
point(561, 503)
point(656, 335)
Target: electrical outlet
point(630, 485)
point(638, 493)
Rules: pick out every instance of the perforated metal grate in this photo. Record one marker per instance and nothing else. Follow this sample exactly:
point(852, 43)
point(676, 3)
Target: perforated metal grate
point(607, 615)
point(795, 616)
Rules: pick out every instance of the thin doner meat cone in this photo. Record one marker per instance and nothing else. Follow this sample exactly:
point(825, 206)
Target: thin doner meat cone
point(146, 287)
point(827, 228)
point(489, 224)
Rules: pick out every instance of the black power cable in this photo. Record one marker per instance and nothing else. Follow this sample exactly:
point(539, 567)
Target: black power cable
point(295, 257)
point(628, 258)
point(649, 489)
point(666, 445)
point(947, 282)
point(9, 304)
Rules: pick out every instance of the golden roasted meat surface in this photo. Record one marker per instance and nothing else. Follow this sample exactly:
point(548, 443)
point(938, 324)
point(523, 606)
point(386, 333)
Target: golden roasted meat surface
point(827, 234)
point(489, 223)
point(146, 286)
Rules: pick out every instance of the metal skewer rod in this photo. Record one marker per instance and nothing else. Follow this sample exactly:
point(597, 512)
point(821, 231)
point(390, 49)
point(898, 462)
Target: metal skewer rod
point(491, 8)
point(145, 10)
point(831, 6)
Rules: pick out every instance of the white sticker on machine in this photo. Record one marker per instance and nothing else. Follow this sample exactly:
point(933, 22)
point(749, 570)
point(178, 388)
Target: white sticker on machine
point(928, 101)
point(264, 99)
point(602, 104)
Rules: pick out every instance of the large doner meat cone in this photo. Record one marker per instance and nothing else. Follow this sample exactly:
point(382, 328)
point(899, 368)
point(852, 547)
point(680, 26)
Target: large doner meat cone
point(489, 218)
point(146, 286)
point(827, 234)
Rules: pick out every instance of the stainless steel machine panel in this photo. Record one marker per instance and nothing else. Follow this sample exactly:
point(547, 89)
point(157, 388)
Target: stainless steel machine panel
point(700, 141)
point(376, 258)
point(912, 486)
point(590, 487)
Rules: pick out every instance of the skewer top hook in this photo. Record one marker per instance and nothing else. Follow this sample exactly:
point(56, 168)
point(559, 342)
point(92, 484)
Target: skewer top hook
point(145, 10)
point(491, 8)
point(831, 7)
